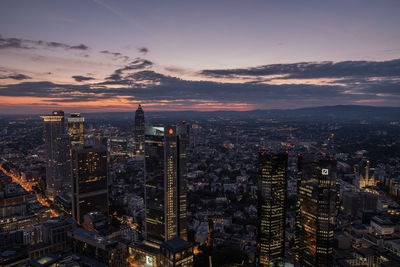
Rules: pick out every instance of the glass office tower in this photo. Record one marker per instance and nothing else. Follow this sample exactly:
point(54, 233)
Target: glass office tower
point(58, 157)
point(272, 169)
point(76, 130)
point(165, 182)
point(316, 210)
point(90, 187)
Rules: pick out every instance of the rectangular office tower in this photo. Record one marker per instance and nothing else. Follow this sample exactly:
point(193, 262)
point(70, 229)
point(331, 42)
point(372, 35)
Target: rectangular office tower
point(272, 168)
point(76, 129)
point(90, 187)
point(165, 182)
point(316, 210)
point(58, 162)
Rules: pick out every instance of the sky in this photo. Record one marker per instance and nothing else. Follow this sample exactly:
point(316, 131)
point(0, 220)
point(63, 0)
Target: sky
point(103, 55)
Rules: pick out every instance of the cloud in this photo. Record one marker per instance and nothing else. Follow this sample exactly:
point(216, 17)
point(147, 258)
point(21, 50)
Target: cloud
point(137, 82)
point(115, 55)
point(18, 43)
point(80, 78)
point(144, 50)
point(326, 69)
point(135, 65)
point(17, 77)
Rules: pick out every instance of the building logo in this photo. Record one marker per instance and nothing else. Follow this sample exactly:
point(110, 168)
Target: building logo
point(149, 260)
point(325, 171)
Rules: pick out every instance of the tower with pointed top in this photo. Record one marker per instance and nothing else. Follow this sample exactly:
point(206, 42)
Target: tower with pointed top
point(139, 130)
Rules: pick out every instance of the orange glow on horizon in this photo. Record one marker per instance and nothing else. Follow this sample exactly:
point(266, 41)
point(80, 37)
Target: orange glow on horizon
point(121, 104)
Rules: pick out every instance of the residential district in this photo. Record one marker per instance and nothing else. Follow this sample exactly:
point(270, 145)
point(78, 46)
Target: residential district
point(216, 190)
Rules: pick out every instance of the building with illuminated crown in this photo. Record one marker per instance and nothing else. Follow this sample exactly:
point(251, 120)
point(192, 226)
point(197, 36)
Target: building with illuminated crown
point(165, 182)
point(58, 157)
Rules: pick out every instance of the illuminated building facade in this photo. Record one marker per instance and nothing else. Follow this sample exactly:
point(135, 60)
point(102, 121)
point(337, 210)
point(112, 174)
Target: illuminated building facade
point(165, 182)
point(272, 169)
point(58, 163)
point(364, 175)
point(76, 130)
point(90, 187)
point(316, 210)
point(139, 129)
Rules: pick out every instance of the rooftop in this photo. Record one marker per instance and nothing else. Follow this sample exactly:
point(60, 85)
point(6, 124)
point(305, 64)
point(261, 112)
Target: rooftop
point(176, 244)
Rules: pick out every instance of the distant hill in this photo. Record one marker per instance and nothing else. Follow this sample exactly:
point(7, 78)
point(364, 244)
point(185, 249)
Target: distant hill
point(324, 113)
point(339, 112)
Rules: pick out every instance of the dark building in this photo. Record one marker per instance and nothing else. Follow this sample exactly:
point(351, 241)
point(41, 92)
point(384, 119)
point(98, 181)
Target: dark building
point(271, 208)
point(76, 130)
point(100, 248)
point(176, 252)
point(316, 210)
point(139, 129)
point(165, 182)
point(54, 236)
point(90, 187)
point(58, 164)
point(354, 203)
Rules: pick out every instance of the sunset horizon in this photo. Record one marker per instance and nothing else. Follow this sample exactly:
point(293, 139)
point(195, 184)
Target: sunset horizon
point(169, 58)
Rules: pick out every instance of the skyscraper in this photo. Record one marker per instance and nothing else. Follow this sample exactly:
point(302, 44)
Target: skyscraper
point(271, 208)
point(76, 129)
point(58, 163)
point(90, 187)
point(165, 182)
point(316, 210)
point(139, 129)
point(77, 137)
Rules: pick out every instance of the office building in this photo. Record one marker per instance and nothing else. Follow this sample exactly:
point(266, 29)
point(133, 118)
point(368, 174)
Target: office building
point(139, 129)
point(90, 187)
point(58, 163)
point(316, 210)
point(355, 203)
point(176, 252)
point(107, 252)
point(165, 182)
point(271, 208)
point(76, 130)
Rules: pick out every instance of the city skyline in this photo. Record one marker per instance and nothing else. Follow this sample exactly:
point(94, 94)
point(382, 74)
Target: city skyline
point(197, 56)
point(200, 133)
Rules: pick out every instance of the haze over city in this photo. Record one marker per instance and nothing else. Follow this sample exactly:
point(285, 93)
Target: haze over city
point(197, 55)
